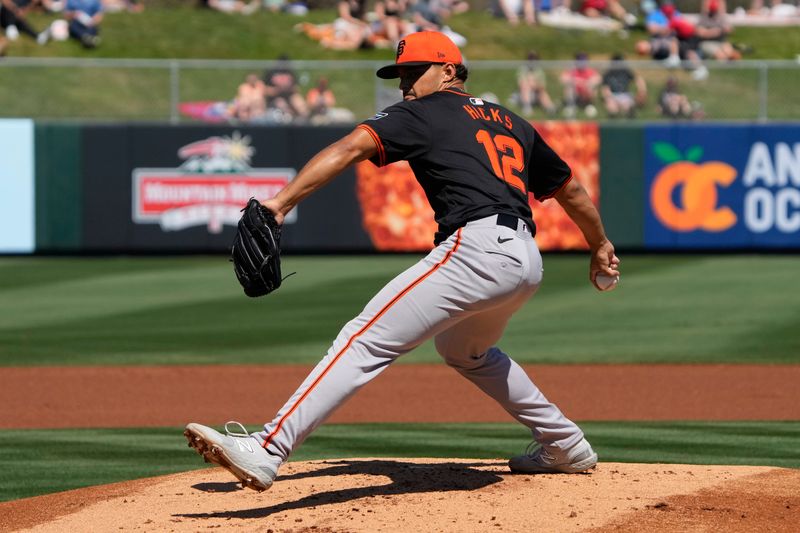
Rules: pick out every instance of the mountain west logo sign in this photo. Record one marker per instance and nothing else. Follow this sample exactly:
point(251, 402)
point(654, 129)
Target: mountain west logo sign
point(208, 189)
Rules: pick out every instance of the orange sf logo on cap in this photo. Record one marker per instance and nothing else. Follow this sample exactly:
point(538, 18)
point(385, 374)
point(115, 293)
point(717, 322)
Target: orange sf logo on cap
point(422, 48)
point(698, 196)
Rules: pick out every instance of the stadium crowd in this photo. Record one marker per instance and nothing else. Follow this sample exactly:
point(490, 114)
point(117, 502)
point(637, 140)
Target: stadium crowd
point(618, 90)
point(79, 20)
point(276, 98)
point(671, 37)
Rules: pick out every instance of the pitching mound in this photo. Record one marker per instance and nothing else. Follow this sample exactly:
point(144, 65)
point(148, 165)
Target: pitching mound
point(430, 495)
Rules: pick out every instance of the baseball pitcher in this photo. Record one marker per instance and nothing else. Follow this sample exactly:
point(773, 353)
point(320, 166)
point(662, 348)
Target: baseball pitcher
point(477, 162)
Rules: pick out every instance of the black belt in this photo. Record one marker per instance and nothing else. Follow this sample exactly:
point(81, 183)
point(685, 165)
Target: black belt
point(503, 219)
point(509, 221)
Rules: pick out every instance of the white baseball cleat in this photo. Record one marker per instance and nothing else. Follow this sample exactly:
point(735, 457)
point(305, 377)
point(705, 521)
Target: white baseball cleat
point(238, 452)
point(537, 460)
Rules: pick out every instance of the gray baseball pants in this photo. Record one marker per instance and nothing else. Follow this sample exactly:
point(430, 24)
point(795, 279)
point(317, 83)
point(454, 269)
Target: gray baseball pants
point(462, 294)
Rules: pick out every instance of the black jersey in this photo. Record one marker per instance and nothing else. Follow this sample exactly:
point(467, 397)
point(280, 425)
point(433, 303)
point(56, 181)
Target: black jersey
point(473, 158)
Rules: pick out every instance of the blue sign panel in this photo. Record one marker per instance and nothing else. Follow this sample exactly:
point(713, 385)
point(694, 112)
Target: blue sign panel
point(722, 186)
point(16, 186)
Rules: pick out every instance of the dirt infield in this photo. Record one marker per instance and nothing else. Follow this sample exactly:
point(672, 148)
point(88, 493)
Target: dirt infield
point(403, 494)
point(371, 495)
point(167, 395)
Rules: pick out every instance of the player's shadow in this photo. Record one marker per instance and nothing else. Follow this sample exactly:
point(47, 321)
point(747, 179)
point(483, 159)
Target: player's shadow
point(406, 478)
point(218, 487)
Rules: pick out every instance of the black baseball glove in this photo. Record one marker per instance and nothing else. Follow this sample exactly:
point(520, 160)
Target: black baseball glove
point(256, 250)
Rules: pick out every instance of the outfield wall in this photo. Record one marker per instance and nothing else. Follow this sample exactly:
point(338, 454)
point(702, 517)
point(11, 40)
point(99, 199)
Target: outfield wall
point(158, 188)
point(16, 186)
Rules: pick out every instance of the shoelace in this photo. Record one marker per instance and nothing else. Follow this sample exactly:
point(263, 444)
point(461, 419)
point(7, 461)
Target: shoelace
point(243, 434)
point(535, 449)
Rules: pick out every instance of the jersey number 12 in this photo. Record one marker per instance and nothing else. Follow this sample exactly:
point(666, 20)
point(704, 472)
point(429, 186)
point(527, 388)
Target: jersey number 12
point(503, 164)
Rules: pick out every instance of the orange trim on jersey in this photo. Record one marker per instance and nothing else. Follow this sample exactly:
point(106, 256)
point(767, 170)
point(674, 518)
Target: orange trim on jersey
point(459, 93)
point(369, 324)
point(559, 188)
point(377, 139)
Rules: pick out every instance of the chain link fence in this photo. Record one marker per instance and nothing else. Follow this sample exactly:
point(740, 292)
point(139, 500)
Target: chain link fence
point(186, 91)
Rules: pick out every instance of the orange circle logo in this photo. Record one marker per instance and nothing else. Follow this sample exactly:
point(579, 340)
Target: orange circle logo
point(697, 206)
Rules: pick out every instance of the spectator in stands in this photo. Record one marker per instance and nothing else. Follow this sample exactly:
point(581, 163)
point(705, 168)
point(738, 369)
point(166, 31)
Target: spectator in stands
point(25, 7)
point(446, 8)
point(13, 19)
point(282, 91)
point(45, 6)
point(320, 98)
point(688, 40)
point(321, 103)
point(757, 7)
point(672, 103)
point(424, 18)
point(231, 6)
point(250, 101)
point(53, 6)
point(713, 30)
point(293, 7)
point(532, 87)
point(514, 10)
point(342, 35)
point(390, 17)
point(672, 38)
point(706, 5)
point(606, 8)
point(350, 29)
point(580, 87)
point(114, 6)
point(661, 44)
point(553, 7)
point(84, 18)
point(622, 89)
point(353, 11)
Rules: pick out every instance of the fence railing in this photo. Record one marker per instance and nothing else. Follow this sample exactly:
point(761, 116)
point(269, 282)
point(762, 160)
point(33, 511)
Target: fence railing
point(188, 90)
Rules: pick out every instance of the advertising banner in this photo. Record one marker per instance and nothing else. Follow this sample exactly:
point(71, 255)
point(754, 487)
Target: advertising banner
point(162, 188)
point(722, 187)
point(398, 217)
point(578, 144)
point(166, 188)
point(17, 232)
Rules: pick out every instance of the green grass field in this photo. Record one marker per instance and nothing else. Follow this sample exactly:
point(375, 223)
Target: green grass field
point(44, 461)
point(190, 310)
